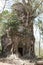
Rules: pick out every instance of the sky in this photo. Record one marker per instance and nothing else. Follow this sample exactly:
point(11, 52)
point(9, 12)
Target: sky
point(37, 31)
point(8, 4)
point(36, 28)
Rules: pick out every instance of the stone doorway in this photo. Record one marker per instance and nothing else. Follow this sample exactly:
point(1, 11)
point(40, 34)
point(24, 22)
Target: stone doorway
point(20, 51)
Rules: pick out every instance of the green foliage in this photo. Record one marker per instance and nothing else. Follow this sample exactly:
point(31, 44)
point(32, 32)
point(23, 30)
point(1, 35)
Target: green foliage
point(3, 27)
point(3, 15)
point(13, 22)
point(8, 20)
point(1, 18)
point(3, 23)
point(5, 12)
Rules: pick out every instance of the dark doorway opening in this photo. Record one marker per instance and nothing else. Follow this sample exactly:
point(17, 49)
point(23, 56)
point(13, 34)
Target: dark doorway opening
point(20, 50)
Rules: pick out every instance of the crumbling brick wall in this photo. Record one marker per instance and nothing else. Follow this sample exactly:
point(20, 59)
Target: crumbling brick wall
point(22, 39)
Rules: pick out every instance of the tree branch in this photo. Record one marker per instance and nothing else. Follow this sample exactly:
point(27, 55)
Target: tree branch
point(37, 7)
point(4, 5)
point(23, 1)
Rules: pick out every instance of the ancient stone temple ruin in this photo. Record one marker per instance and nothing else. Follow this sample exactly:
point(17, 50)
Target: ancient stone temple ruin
point(21, 42)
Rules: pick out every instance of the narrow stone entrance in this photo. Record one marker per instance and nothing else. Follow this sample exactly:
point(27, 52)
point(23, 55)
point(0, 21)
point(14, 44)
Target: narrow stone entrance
point(20, 51)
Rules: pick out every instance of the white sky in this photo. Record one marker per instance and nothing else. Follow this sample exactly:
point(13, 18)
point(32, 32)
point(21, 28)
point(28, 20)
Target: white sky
point(36, 31)
point(1, 5)
point(8, 4)
point(36, 28)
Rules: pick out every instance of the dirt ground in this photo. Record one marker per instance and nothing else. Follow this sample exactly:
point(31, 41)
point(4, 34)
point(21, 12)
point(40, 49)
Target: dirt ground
point(13, 64)
point(5, 63)
point(14, 60)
